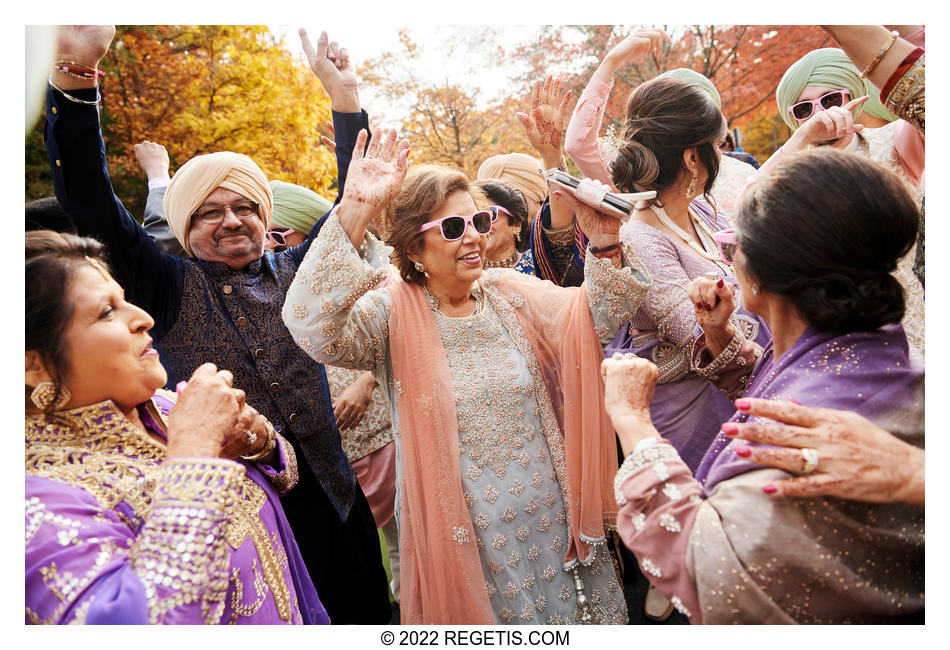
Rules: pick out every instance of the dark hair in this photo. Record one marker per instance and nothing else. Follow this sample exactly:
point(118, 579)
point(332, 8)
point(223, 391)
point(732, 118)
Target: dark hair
point(50, 258)
point(46, 214)
point(425, 190)
point(511, 199)
point(665, 117)
point(826, 230)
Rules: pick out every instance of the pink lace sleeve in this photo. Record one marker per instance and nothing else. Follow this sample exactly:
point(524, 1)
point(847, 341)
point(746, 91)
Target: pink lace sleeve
point(659, 500)
point(580, 140)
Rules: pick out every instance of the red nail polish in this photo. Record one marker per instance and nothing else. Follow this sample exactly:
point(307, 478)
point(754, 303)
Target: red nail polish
point(794, 402)
point(769, 489)
point(742, 404)
point(699, 305)
point(730, 428)
point(720, 283)
point(742, 451)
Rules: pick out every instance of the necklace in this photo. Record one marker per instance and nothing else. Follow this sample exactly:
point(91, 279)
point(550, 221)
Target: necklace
point(506, 263)
point(666, 221)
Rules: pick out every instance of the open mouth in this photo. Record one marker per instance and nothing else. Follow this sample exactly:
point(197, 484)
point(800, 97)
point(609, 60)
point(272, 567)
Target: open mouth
point(471, 258)
point(149, 351)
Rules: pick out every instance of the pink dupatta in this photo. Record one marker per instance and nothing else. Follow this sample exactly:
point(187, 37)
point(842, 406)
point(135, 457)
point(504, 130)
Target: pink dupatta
point(442, 577)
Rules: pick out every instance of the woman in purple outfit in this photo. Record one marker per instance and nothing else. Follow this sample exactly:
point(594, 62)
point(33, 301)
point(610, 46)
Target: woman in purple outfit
point(138, 509)
point(815, 248)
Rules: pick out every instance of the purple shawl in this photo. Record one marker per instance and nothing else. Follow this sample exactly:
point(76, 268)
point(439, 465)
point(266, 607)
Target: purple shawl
point(870, 373)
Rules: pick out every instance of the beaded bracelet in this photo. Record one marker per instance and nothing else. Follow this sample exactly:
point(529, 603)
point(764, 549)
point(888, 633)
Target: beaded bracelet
point(892, 37)
point(74, 99)
point(77, 70)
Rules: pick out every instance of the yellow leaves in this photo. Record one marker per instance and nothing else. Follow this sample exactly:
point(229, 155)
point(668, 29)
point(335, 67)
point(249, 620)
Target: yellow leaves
point(198, 89)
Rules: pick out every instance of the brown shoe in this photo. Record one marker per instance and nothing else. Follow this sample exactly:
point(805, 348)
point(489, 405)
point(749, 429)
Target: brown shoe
point(657, 607)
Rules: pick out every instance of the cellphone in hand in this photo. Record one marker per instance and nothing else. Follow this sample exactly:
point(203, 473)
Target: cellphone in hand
point(597, 197)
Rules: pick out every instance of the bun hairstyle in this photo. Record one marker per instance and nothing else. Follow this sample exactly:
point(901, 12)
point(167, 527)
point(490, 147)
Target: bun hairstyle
point(50, 261)
point(665, 117)
point(826, 230)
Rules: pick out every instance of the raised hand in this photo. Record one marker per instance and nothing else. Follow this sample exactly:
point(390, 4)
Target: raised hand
point(84, 44)
point(601, 228)
point(632, 48)
point(856, 459)
point(247, 437)
point(331, 64)
point(153, 159)
point(372, 180)
point(629, 383)
point(545, 124)
point(824, 127)
point(715, 301)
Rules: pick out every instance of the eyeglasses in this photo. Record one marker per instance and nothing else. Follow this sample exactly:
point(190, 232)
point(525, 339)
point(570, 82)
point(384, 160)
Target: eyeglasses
point(726, 241)
point(277, 236)
point(804, 109)
point(214, 214)
point(454, 226)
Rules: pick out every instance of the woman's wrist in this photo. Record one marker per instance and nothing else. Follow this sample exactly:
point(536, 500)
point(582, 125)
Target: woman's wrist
point(718, 338)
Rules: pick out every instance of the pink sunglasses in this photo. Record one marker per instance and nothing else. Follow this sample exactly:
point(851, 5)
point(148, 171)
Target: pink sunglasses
point(802, 110)
point(277, 236)
point(726, 241)
point(453, 227)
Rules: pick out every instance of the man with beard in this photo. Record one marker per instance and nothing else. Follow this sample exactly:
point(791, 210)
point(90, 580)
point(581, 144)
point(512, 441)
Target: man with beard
point(223, 305)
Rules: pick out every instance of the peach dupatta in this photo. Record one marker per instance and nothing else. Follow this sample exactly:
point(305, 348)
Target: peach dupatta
point(442, 576)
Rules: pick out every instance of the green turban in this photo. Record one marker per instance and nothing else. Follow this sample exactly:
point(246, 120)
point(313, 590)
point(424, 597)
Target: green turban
point(697, 79)
point(297, 207)
point(828, 68)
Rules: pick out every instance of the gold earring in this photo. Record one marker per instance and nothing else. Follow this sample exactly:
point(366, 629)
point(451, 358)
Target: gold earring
point(45, 392)
point(691, 189)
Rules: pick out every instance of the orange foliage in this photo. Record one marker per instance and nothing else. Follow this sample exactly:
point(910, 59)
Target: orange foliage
point(199, 89)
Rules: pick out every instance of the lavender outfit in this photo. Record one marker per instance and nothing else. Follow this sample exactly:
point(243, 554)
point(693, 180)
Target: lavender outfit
point(118, 534)
point(687, 410)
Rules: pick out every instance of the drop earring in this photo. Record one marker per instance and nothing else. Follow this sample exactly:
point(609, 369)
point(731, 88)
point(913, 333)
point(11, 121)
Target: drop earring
point(420, 267)
point(691, 189)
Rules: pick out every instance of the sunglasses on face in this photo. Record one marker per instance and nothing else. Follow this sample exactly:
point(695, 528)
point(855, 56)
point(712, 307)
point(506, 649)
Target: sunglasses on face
point(804, 109)
point(726, 241)
point(495, 210)
point(277, 236)
point(454, 226)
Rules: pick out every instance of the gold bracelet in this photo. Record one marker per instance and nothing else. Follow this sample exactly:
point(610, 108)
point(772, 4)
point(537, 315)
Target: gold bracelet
point(268, 446)
point(894, 35)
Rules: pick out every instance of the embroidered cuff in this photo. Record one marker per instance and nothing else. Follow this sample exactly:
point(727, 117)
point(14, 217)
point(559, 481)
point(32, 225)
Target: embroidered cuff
point(646, 452)
point(286, 479)
point(726, 357)
point(180, 554)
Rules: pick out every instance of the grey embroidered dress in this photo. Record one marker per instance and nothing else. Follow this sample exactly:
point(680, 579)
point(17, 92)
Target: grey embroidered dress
point(512, 484)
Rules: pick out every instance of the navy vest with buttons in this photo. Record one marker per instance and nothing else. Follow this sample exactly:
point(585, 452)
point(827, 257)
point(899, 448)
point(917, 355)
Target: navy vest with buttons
point(232, 318)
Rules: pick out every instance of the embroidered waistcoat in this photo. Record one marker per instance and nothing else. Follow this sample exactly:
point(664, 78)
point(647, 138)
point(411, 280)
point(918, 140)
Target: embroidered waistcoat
point(232, 318)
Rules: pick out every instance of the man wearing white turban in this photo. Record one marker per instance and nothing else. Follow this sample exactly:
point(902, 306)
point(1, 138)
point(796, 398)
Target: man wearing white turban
point(223, 305)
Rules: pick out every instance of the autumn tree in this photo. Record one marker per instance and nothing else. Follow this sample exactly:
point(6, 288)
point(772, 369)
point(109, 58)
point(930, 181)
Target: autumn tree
point(447, 121)
point(200, 89)
point(745, 62)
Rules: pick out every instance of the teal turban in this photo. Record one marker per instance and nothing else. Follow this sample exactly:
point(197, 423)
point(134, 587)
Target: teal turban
point(828, 68)
point(697, 79)
point(297, 207)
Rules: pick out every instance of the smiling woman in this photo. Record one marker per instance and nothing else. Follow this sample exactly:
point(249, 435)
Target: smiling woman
point(121, 480)
point(487, 375)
